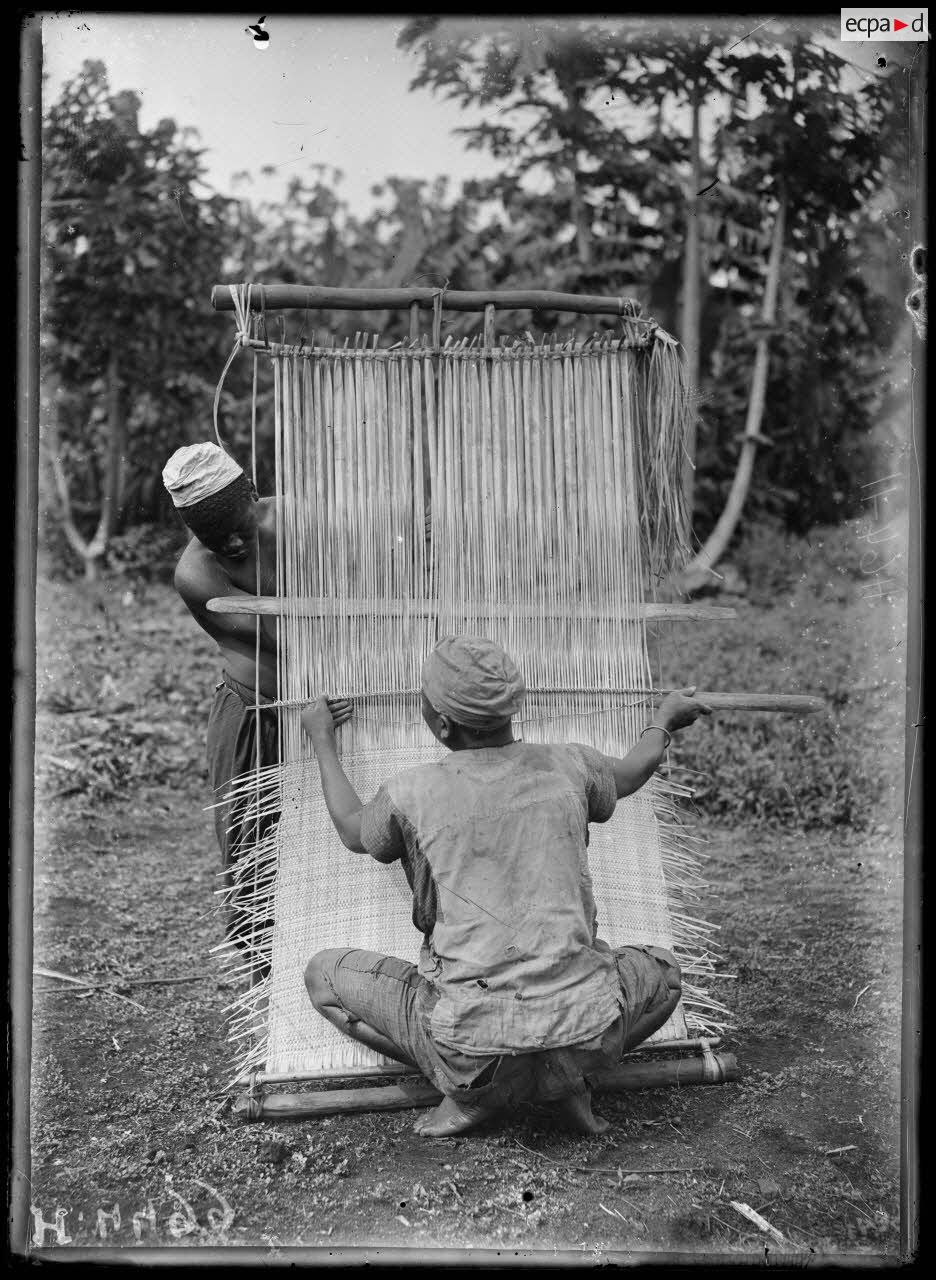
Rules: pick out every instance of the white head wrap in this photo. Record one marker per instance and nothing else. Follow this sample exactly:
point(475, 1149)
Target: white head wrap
point(472, 680)
point(196, 471)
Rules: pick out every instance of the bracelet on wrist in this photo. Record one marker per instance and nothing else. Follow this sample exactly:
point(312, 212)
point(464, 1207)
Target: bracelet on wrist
point(660, 729)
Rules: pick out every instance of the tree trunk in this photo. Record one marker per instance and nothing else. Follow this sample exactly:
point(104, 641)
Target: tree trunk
point(691, 299)
point(113, 467)
point(53, 455)
point(698, 572)
point(91, 551)
point(582, 230)
point(578, 208)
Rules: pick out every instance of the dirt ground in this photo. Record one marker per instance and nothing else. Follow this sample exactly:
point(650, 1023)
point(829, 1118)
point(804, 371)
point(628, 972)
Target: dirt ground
point(133, 1141)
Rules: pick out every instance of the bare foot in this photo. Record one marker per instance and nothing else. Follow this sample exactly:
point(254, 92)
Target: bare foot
point(451, 1117)
point(576, 1109)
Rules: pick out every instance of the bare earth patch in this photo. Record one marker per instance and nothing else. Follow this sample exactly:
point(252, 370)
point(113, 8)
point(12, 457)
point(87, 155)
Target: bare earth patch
point(133, 1141)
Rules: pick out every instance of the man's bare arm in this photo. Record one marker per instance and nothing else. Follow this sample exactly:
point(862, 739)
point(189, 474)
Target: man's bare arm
point(343, 803)
point(676, 711)
point(200, 578)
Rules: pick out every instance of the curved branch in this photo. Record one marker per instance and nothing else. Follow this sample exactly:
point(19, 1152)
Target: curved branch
point(698, 571)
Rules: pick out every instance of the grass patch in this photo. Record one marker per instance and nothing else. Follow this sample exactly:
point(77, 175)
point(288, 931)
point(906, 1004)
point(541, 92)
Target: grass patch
point(829, 629)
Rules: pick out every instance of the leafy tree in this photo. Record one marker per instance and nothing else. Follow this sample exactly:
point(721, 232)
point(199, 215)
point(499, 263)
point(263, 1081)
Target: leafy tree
point(551, 86)
point(815, 151)
point(132, 241)
point(416, 235)
point(307, 238)
point(667, 209)
point(427, 237)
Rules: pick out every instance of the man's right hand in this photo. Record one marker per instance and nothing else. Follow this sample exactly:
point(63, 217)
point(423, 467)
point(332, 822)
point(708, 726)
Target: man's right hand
point(323, 716)
point(680, 709)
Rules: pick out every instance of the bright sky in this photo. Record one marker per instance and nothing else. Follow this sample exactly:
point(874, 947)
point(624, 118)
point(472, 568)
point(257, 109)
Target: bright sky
point(325, 90)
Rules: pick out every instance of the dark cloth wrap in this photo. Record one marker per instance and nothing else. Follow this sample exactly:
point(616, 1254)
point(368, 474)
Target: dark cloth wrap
point(234, 730)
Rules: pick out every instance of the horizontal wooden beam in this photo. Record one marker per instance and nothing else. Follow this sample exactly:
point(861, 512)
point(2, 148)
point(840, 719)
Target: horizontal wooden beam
point(326, 607)
point(328, 1102)
point(789, 703)
point(277, 297)
point(398, 1068)
point(711, 1068)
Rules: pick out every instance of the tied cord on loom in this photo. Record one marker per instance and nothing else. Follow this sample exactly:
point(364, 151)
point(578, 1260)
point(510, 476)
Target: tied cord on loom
point(640, 334)
point(437, 305)
point(241, 297)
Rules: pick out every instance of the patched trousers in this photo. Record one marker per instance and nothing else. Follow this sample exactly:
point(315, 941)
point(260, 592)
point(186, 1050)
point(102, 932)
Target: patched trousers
point(392, 997)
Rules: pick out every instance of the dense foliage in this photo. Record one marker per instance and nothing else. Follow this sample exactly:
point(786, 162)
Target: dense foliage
point(592, 132)
point(599, 192)
point(131, 239)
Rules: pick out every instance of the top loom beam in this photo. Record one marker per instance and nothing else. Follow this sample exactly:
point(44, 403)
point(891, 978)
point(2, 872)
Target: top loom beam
point(278, 297)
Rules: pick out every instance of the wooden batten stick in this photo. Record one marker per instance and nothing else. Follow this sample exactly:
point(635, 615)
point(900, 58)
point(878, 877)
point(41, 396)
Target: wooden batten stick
point(309, 297)
point(790, 702)
point(784, 702)
point(490, 337)
point(326, 607)
point(623, 1078)
point(414, 321)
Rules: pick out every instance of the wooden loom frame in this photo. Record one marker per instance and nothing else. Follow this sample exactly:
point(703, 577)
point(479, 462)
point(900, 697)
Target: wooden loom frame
point(642, 1069)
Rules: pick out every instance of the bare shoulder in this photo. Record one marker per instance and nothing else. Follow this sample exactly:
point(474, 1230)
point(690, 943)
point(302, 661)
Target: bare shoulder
point(198, 574)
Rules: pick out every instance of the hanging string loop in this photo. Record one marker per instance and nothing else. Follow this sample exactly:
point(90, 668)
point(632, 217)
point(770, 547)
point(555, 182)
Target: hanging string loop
point(240, 295)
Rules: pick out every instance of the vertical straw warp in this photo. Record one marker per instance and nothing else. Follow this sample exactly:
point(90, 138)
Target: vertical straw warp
point(550, 475)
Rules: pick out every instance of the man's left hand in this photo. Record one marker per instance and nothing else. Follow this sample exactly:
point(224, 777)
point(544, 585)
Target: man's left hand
point(321, 719)
point(679, 709)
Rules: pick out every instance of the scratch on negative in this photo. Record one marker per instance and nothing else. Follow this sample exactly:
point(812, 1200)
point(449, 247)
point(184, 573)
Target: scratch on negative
point(750, 33)
point(471, 902)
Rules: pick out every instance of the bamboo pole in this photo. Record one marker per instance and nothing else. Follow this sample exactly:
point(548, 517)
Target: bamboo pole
point(275, 297)
point(691, 317)
point(326, 607)
point(711, 1068)
point(792, 703)
point(256, 1078)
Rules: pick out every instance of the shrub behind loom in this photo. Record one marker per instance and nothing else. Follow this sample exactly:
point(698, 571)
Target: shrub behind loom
point(815, 622)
